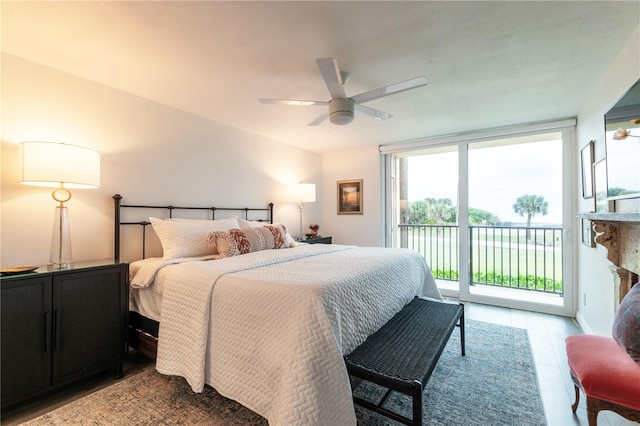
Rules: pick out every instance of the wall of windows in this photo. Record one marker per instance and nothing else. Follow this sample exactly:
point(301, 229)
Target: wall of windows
point(491, 213)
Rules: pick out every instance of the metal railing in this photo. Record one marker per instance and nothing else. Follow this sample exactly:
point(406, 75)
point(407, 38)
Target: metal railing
point(526, 258)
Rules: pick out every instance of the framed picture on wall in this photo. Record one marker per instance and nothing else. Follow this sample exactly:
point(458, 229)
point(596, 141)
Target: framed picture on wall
point(600, 177)
point(350, 196)
point(586, 159)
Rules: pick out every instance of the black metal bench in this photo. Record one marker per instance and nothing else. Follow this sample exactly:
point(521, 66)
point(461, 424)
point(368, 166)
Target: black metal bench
point(402, 355)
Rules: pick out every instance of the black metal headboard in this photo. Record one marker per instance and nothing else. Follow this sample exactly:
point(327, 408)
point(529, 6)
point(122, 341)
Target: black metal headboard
point(117, 198)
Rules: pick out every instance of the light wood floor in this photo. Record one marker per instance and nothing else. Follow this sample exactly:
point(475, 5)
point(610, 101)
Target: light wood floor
point(546, 334)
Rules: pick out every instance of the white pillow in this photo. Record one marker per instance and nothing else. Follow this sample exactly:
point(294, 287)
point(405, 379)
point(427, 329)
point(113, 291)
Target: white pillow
point(244, 223)
point(188, 238)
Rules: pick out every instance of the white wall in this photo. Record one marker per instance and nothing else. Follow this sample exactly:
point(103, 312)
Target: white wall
point(595, 281)
point(151, 153)
point(360, 230)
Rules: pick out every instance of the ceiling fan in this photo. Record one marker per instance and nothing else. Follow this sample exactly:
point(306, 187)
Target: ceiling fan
point(341, 107)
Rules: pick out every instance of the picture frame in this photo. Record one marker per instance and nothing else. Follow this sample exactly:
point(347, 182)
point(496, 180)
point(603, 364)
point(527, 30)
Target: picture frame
point(588, 237)
point(586, 159)
point(350, 196)
point(600, 178)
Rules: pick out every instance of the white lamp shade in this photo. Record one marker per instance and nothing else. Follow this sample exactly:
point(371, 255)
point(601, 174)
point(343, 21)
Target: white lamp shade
point(51, 164)
point(301, 193)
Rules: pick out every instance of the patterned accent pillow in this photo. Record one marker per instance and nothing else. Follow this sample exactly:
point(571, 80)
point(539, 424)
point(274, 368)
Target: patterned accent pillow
point(626, 326)
point(254, 224)
point(246, 240)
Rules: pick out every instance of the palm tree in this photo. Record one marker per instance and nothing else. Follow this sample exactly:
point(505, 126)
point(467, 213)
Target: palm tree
point(531, 205)
point(442, 210)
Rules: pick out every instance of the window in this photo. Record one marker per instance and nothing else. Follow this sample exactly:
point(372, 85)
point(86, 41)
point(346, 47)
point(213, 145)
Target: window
point(489, 214)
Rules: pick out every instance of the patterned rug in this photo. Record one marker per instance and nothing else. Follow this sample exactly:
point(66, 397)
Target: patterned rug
point(494, 384)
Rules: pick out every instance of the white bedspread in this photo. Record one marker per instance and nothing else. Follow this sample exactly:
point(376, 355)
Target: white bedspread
point(269, 329)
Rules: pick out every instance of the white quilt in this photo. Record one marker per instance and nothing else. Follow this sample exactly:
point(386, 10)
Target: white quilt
point(269, 329)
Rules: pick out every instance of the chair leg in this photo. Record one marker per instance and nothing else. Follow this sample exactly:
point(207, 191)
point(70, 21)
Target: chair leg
point(574, 407)
point(593, 408)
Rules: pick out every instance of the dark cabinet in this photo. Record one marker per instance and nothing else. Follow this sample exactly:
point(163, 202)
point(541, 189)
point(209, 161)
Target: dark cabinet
point(318, 240)
point(60, 326)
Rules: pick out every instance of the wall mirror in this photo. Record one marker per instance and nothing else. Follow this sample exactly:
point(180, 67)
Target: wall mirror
point(623, 154)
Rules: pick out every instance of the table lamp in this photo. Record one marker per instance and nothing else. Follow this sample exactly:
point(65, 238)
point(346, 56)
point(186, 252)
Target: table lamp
point(301, 193)
point(61, 166)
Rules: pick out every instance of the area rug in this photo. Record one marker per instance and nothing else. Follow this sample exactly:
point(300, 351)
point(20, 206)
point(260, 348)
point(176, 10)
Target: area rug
point(494, 384)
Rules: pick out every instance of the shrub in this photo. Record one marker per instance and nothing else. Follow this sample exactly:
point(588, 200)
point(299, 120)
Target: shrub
point(526, 282)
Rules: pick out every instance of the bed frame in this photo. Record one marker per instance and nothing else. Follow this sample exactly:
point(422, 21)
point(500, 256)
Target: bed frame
point(143, 332)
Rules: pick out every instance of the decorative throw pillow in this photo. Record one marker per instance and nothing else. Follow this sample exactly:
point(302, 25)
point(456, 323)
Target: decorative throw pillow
point(255, 223)
point(626, 326)
point(188, 238)
point(241, 241)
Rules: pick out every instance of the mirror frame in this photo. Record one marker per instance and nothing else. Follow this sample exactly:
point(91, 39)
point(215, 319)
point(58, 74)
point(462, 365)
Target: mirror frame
point(622, 169)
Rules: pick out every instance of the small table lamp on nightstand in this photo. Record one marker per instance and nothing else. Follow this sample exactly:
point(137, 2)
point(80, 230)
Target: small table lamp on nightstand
point(61, 166)
point(301, 193)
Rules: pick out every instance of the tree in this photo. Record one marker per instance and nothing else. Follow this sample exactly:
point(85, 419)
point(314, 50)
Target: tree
point(442, 210)
point(432, 211)
point(482, 217)
point(418, 212)
point(531, 205)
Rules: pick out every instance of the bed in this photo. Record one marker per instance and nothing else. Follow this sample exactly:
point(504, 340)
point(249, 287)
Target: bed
point(266, 327)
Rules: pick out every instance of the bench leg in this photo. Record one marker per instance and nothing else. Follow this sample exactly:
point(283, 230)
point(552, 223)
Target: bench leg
point(462, 330)
point(417, 406)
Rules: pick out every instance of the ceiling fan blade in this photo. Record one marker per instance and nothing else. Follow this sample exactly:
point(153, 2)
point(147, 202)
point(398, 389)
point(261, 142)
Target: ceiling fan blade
point(294, 102)
point(332, 78)
point(373, 113)
point(390, 90)
point(319, 120)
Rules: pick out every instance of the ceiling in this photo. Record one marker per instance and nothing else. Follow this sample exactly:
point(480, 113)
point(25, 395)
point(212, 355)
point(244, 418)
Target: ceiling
point(487, 64)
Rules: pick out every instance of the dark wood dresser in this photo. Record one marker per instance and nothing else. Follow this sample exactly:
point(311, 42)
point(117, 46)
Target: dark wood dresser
point(60, 326)
point(317, 240)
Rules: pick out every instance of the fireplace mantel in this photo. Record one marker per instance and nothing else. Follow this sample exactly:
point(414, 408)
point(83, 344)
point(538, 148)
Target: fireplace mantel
point(611, 217)
point(619, 233)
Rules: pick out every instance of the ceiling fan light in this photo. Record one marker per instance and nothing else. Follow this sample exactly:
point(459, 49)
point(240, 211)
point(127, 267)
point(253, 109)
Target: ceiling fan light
point(341, 111)
point(341, 118)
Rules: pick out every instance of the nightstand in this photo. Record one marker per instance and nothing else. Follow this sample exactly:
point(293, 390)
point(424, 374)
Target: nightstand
point(61, 326)
point(318, 240)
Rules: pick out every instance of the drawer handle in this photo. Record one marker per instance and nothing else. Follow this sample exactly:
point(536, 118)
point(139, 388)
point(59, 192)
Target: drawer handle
point(56, 332)
point(47, 325)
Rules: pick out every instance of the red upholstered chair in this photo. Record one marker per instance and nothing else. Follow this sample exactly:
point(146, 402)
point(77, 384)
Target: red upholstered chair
point(606, 374)
point(607, 369)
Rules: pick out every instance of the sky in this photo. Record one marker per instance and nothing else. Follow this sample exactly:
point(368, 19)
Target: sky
point(498, 175)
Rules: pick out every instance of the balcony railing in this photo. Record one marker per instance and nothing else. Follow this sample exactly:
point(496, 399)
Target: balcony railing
point(526, 258)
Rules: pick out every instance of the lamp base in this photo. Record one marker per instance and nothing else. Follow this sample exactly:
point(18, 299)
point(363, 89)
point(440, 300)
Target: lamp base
point(59, 266)
point(300, 209)
point(60, 257)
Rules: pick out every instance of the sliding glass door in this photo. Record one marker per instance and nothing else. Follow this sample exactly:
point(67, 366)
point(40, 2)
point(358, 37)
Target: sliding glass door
point(428, 209)
point(491, 217)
